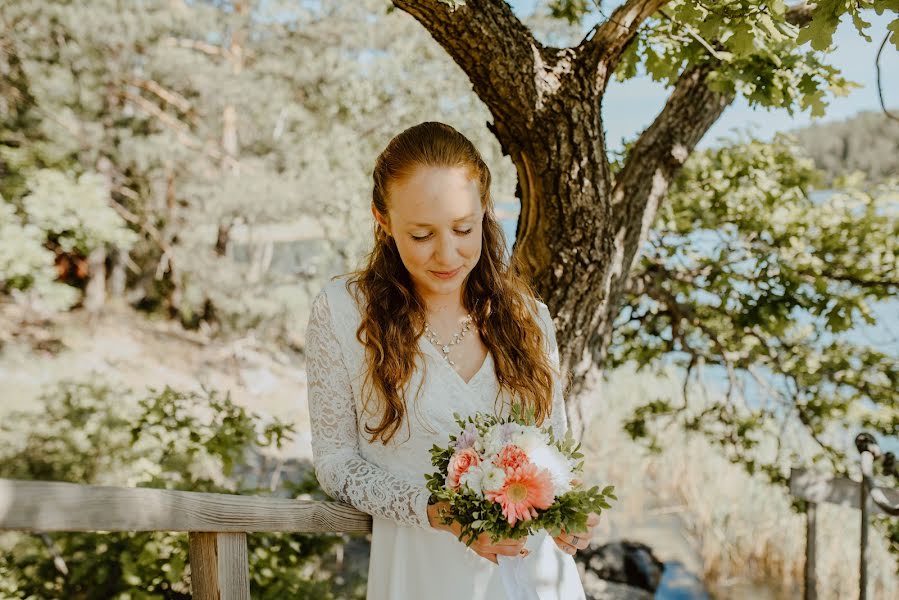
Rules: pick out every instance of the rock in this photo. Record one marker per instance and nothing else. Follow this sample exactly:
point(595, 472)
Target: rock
point(623, 563)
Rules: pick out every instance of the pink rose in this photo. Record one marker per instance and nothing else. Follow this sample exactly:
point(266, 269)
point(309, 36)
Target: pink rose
point(459, 463)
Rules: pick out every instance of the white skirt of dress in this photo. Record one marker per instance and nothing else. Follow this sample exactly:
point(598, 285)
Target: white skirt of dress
point(411, 563)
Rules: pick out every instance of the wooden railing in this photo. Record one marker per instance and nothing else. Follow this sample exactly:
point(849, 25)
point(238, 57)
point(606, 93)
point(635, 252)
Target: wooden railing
point(217, 524)
point(865, 495)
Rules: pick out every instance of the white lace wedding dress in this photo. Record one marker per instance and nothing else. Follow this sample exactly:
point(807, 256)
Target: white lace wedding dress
point(409, 559)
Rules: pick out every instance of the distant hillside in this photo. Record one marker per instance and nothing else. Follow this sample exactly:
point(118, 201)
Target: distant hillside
point(867, 142)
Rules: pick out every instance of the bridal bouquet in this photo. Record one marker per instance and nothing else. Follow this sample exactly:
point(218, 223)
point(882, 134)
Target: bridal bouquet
point(509, 478)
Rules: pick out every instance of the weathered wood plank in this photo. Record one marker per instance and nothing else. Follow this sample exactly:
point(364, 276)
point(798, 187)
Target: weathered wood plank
point(57, 506)
point(219, 566)
point(817, 487)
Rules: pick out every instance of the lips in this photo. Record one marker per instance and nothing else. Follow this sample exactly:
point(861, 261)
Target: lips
point(445, 273)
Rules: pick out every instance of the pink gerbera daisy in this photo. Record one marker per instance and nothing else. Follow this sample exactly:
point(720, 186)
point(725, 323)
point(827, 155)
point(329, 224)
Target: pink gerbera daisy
point(527, 488)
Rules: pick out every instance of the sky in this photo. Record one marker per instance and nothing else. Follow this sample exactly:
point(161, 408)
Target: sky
point(629, 107)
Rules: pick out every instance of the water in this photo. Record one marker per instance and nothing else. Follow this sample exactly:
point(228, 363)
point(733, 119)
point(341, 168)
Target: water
point(678, 583)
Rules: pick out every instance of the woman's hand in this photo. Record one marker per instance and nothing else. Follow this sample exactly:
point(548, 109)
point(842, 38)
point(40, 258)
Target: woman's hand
point(572, 542)
point(483, 545)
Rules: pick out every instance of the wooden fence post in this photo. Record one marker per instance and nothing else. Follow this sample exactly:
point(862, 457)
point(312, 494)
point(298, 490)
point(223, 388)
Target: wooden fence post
point(219, 566)
point(810, 591)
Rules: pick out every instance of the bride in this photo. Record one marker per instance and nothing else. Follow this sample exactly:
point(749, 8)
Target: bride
point(434, 324)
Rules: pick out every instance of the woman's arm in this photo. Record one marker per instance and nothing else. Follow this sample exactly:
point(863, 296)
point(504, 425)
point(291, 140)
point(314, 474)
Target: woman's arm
point(342, 472)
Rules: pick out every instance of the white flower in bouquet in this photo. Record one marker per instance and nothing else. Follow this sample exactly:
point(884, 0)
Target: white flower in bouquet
point(529, 439)
point(499, 436)
point(473, 478)
point(493, 479)
point(550, 458)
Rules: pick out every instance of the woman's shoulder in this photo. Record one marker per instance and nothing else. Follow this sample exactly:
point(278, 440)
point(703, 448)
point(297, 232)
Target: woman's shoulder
point(341, 301)
point(334, 288)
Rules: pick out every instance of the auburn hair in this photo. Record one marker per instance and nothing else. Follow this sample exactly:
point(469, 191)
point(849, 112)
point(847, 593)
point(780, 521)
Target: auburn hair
point(501, 302)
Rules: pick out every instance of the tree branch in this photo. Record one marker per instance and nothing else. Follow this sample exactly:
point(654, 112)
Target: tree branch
point(601, 49)
point(879, 86)
point(181, 129)
point(600, 53)
point(655, 160)
point(493, 47)
point(204, 47)
point(800, 14)
point(652, 164)
point(170, 96)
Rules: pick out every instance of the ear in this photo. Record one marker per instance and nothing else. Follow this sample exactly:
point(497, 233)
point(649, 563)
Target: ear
point(380, 219)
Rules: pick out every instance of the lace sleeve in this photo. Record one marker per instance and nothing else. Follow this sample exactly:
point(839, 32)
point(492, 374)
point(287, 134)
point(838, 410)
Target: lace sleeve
point(342, 472)
point(558, 420)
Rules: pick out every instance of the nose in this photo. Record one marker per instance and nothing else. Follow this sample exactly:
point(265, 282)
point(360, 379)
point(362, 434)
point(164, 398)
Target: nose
point(445, 251)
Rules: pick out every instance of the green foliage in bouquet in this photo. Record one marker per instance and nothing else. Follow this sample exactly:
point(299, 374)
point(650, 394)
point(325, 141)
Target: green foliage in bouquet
point(92, 433)
point(477, 515)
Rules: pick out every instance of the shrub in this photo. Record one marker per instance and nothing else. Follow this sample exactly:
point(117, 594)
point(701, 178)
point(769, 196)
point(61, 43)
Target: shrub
point(92, 433)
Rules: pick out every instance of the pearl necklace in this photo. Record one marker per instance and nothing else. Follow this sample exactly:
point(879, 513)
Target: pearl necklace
point(457, 337)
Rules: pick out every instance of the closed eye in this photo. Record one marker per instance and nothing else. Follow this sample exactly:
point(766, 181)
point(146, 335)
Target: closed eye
point(423, 238)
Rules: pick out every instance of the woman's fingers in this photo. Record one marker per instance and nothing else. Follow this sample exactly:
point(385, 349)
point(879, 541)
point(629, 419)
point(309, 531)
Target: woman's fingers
point(507, 550)
point(578, 540)
point(564, 545)
point(572, 542)
point(504, 549)
point(486, 540)
point(507, 547)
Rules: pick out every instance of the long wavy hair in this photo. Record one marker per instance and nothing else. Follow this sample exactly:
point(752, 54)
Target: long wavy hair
point(502, 304)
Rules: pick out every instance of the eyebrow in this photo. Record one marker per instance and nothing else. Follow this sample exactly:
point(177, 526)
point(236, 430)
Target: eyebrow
point(455, 221)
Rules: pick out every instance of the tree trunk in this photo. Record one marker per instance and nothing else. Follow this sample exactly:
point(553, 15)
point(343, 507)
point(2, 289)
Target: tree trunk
point(95, 290)
point(222, 239)
point(235, 55)
point(117, 276)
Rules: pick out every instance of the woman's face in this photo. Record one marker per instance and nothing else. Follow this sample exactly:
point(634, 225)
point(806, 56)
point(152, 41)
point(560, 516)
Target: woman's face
point(435, 217)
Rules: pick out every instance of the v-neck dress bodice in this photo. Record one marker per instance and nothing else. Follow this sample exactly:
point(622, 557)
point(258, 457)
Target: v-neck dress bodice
point(486, 364)
point(410, 559)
